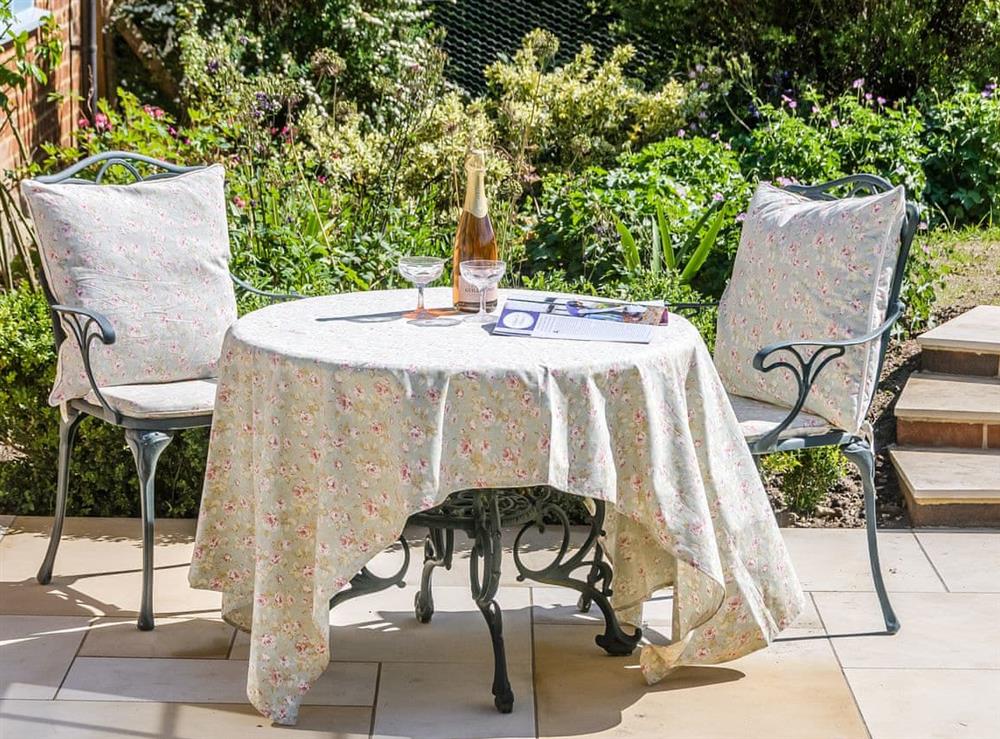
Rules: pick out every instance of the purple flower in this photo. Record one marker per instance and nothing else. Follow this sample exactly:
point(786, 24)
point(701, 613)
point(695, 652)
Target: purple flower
point(858, 83)
point(740, 217)
point(681, 133)
point(834, 123)
point(922, 226)
point(213, 66)
point(717, 197)
point(815, 110)
point(880, 100)
point(868, 96)
point(989, 90)
point(715, 136)
point(791, 101)
point(703, 86)
point(699, 68)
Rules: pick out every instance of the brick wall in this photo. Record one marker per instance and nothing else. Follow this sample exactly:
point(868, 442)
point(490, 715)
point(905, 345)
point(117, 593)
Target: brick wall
point(38, 119)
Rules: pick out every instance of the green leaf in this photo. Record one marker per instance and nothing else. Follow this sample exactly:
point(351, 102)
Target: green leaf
point(655, 262)
point(704, 247)
point(664, 233)
point(629, 247)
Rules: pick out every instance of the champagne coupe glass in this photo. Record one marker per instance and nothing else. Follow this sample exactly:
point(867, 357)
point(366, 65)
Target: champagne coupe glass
point(421, 271)
point(482, 274)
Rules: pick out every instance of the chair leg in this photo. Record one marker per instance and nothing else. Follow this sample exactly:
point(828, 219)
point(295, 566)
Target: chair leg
point(861, 454)
point(67, 435)
point(146, 447)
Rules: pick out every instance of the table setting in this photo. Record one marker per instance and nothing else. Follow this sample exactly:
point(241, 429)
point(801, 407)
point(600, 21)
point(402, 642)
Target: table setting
point(339, 418)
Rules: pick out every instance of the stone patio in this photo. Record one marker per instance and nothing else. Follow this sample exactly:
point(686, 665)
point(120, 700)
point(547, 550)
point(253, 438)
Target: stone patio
point(72, 663)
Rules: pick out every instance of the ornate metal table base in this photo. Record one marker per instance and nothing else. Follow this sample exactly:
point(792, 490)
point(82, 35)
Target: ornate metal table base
point(482, 515)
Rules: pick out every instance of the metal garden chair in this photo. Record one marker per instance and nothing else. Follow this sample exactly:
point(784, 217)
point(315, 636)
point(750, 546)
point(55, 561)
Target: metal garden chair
point(150, 414)
point(784, 429)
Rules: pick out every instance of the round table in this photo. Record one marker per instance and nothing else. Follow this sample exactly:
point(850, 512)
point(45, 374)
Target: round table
point(336, 418)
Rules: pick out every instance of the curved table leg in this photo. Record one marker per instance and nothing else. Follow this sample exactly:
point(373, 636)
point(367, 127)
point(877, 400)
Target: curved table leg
point(596, 588)
point(487, 547)
point(439, 547)
point(366, 581)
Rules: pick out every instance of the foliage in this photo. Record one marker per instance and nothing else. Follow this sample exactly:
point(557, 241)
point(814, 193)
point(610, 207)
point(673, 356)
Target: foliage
point(103, 481)
point(581, 113)
point(805, 477)
point(901, 46)
point(963, 161)
point(807, 140)
point(674, 182)
point(21, 64)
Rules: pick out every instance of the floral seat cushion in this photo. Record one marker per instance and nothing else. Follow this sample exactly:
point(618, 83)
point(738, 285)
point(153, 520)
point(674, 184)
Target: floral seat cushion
point(160, 400)
point(757, 418)
point(151, 256)
point(807, 270)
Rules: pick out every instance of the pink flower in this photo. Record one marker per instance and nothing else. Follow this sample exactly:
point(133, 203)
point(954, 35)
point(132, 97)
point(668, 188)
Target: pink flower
point(239, 202)
point(834, 123)
point(101, 122)
point(858, 83)
point(680, 133)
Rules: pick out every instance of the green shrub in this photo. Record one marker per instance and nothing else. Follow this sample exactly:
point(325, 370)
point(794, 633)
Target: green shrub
point(806, 477)
point(102, 477)
point(575, 223)
point(582, 113)
point(963, 160)
point(901, 46)
point(818, 141)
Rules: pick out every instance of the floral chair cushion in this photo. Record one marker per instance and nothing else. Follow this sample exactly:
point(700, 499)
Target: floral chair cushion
point(151, 256)
point(810, 269)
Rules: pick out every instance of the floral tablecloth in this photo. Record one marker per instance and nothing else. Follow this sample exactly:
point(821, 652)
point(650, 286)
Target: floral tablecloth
point(336, 418)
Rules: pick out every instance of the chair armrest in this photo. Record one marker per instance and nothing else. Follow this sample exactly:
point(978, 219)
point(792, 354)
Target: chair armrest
point(273, 297)
point(88, 325)
point(806, 370)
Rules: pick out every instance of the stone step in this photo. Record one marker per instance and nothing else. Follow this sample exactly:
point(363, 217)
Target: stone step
point(967, 345)
point(949, 487)
point(949, 410)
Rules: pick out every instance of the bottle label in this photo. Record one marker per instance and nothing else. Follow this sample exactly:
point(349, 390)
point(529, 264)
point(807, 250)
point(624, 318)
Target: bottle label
point(467, 293)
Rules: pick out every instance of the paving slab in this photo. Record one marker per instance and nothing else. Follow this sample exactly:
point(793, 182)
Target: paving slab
point(936, 397)
point(792, 690)
point(36, 652)
point(837, 559)
point(968, 561)
point(119, 720)
point(382, 628)
point(200, 637)
point(977, 330)
point(939, 630)
point(203, 681)
point(928, 704)
point(438, 700)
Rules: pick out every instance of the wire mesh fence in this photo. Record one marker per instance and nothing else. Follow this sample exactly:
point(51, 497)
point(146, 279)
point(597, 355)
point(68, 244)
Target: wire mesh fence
point(479, 32)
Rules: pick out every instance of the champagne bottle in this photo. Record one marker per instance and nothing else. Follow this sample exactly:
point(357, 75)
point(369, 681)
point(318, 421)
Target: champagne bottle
point(474, 238)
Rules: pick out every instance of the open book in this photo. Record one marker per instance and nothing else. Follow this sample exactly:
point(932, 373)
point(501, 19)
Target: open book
point(580, 319)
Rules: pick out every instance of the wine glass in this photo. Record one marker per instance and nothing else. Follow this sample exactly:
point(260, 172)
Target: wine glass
point(421, 271)
point(482, 274)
